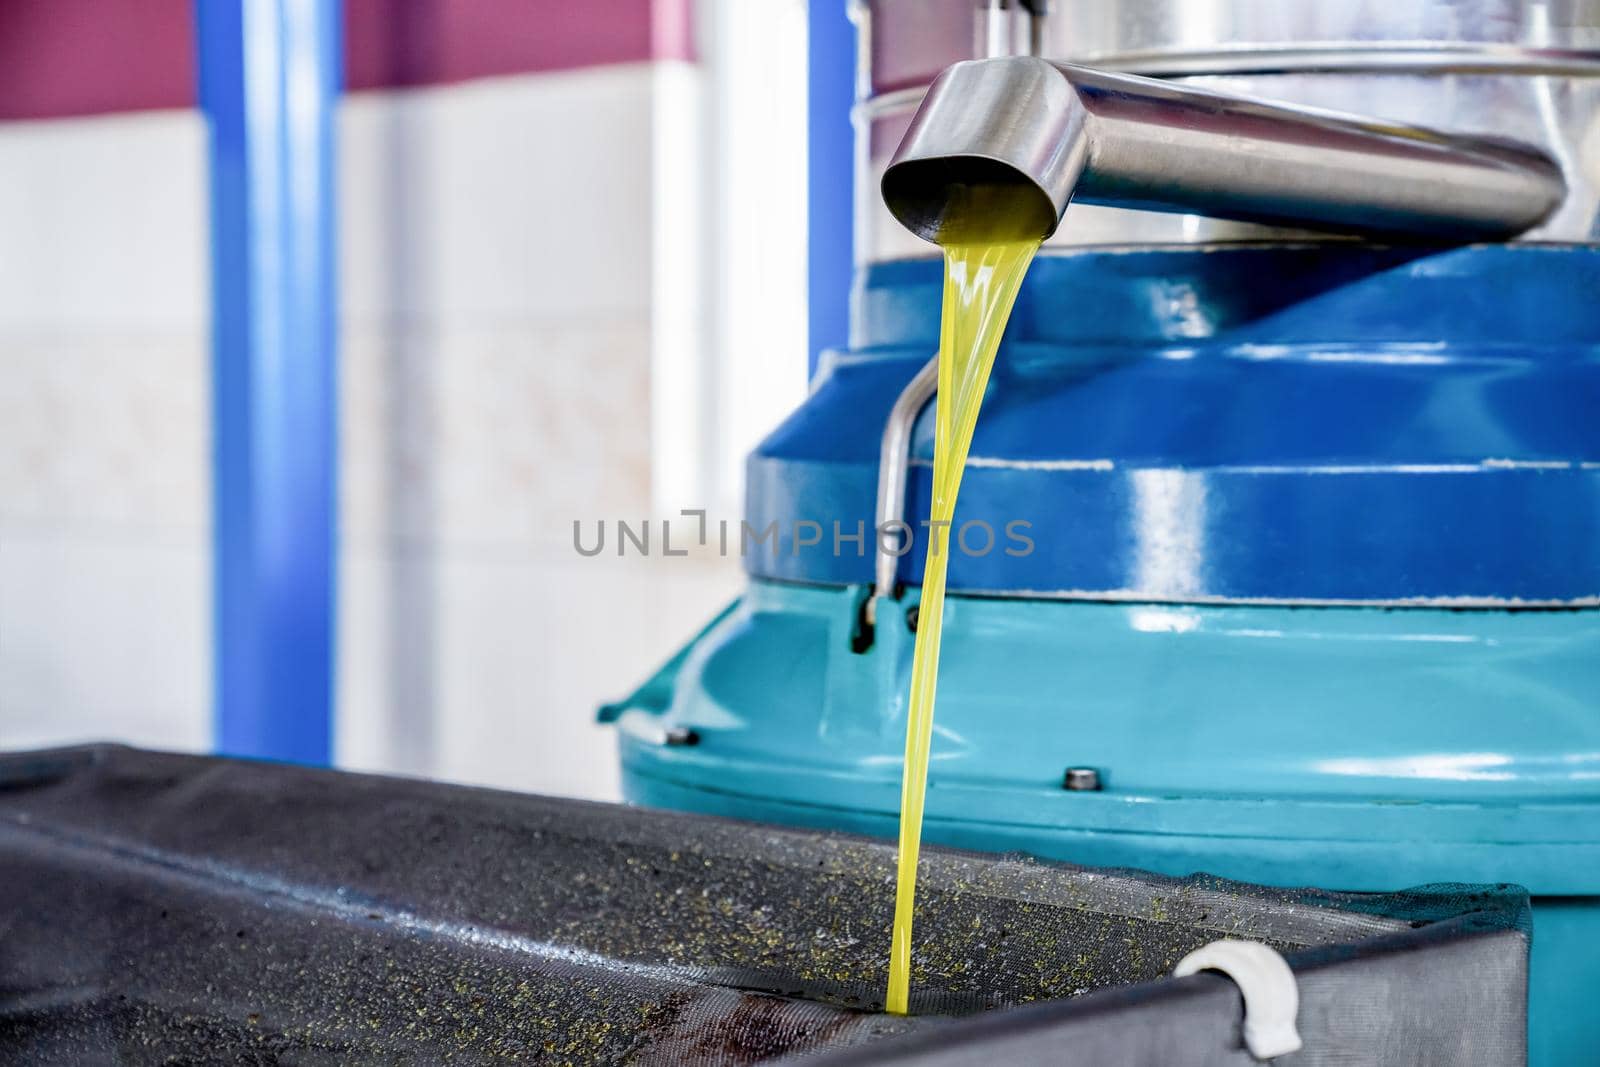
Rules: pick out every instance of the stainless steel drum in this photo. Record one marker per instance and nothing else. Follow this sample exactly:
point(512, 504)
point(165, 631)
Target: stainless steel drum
point(1519, 69)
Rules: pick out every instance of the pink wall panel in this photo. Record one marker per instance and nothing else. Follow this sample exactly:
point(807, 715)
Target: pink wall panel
point(86, 57)
point(403, 42)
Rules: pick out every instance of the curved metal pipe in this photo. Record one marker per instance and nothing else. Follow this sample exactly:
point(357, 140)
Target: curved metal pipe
point(894, 463)
point(1010, 142)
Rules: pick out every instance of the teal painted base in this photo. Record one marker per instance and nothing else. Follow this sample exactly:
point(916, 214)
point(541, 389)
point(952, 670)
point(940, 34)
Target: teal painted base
point(1347, 748)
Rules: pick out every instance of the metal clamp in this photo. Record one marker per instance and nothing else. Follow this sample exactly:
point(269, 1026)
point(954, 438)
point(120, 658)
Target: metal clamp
point(1271, 994)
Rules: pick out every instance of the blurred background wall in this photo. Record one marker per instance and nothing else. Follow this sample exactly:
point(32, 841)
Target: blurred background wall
point(564, 294)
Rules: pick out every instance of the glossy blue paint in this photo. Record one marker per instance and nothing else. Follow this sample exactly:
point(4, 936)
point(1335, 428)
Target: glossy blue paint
point(1284, 423)
point(269, 78)
point(1354, 748)
point(830, 167)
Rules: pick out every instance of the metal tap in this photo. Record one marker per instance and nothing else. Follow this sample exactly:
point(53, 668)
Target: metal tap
point(1035, 135)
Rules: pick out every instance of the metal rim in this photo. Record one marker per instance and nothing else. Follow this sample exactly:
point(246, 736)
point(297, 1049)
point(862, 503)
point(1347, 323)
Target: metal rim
point(1420, 57)
point(1411, 57)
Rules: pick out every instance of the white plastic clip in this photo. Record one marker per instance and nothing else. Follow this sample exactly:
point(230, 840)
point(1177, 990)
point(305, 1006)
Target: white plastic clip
point(1271, 994)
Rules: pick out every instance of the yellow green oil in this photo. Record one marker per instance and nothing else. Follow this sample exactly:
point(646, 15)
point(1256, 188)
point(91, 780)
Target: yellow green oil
point(981, 279)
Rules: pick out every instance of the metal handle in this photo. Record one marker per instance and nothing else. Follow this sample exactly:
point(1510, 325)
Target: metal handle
point(1034, 135)
point(894, 465)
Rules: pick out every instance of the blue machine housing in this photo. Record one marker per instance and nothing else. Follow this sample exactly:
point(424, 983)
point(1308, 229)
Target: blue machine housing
point(1316, 546)
point(1312, 423)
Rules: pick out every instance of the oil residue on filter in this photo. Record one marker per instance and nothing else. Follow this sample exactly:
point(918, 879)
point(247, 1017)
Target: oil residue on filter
point(981, 279)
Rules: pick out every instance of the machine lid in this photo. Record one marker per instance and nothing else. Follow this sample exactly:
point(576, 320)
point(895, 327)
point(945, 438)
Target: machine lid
point(1311, 424)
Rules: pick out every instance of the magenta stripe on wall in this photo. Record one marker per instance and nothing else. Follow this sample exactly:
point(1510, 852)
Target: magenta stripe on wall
point(84, 57)
point(87, 57)
point(403, 42)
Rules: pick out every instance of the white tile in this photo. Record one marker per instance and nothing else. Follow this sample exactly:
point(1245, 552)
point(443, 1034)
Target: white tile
point(494, 438)
point(512, 198)
point(490, 671)
point(103, 638)
point(104, 429)
point(103, 222)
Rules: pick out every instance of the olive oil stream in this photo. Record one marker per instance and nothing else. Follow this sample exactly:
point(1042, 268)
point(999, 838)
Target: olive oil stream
point(981, 279)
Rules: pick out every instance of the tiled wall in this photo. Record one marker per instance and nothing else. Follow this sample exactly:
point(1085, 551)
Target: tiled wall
point(104, 586)
point(496, 359)
point(497, 376)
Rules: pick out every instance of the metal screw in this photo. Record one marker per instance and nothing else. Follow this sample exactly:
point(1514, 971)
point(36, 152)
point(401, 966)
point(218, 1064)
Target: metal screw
point(680, 735)
point(1081, 779)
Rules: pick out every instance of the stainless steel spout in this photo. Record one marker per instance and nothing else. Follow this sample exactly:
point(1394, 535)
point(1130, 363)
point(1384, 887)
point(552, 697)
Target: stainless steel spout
point(999, 148)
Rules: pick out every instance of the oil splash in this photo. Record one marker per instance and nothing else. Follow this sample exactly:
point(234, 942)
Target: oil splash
point(981, 280)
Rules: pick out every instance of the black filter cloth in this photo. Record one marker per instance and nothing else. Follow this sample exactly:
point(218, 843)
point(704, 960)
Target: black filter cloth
point(169, 909)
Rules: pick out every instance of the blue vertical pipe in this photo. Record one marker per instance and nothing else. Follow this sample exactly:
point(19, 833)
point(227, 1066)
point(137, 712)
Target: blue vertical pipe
point(830, 90)
point(269, 80)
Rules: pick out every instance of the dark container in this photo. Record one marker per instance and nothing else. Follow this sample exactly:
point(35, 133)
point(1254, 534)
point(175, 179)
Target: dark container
point(166, 909)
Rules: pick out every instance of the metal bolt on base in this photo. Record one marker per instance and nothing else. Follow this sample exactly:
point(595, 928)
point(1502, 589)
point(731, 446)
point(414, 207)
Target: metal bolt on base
point(1081, 779)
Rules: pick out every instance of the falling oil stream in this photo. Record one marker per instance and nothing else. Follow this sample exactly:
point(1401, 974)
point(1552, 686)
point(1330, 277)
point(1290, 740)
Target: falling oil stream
point(981, 279)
